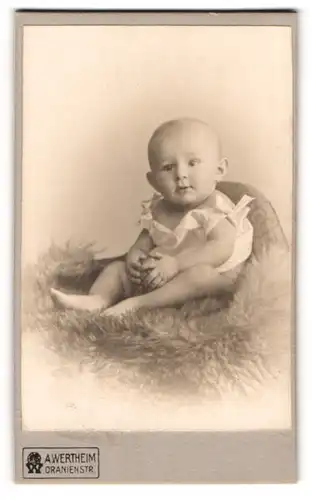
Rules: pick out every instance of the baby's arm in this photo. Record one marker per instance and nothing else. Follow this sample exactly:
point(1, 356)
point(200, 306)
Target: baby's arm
point(217, 250)
point(137, 254)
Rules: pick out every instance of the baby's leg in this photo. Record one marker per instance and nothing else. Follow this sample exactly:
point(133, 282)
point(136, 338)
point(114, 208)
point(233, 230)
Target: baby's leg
point(110, 287)
point(193, 283)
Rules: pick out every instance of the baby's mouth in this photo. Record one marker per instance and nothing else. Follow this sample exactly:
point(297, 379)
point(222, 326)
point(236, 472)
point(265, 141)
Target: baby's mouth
point(184, 189)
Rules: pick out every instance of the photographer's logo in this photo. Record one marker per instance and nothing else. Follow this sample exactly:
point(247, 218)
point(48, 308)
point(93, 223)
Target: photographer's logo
point(60, 463)
point(33, 463)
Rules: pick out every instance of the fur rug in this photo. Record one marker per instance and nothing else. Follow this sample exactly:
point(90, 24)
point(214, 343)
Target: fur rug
point(208, 345)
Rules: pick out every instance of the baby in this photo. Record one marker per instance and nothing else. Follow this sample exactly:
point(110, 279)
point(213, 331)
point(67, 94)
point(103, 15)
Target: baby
point(194, 240)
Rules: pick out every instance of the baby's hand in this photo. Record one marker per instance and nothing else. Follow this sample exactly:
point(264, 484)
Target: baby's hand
point(134, 261)
point(159, 270)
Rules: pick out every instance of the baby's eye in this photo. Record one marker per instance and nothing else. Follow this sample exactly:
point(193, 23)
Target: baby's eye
point(193, 162)
point(168, 167)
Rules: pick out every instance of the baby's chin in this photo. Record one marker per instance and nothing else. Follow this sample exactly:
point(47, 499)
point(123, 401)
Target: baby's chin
point(186, 199)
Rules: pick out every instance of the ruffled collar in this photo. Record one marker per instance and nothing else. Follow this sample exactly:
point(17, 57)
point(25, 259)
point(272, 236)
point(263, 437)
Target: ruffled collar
point(197, 218)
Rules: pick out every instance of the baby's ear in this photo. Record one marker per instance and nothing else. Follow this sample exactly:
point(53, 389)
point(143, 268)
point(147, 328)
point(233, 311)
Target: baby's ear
point(151, 180)
point(222, 168)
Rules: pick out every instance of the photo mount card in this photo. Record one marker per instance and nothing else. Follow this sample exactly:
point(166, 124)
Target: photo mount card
point(121, 119)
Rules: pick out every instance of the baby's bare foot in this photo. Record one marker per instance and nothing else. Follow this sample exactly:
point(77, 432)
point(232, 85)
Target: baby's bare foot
point(79, 302)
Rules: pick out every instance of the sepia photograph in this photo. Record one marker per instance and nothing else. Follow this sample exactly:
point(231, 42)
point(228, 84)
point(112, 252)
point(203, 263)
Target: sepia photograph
point(157, 226)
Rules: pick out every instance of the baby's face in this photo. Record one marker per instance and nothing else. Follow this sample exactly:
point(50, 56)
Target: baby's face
point(186, 165)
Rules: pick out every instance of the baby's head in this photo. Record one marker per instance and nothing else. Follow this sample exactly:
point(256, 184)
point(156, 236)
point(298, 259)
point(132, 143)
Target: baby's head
point(185, 161)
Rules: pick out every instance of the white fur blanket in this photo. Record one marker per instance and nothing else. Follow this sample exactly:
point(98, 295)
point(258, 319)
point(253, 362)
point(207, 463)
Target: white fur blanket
point(207, 345)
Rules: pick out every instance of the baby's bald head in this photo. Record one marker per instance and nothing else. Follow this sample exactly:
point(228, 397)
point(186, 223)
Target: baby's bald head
point(185, 131)
point(185, 161)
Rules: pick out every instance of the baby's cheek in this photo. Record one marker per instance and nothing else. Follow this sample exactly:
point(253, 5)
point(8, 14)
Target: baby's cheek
point(167, 185)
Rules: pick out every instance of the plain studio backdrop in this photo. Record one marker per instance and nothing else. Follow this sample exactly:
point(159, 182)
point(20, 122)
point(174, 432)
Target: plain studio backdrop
point(92, 96)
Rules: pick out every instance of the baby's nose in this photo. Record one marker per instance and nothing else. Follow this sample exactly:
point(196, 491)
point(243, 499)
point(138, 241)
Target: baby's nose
point(181, 172)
